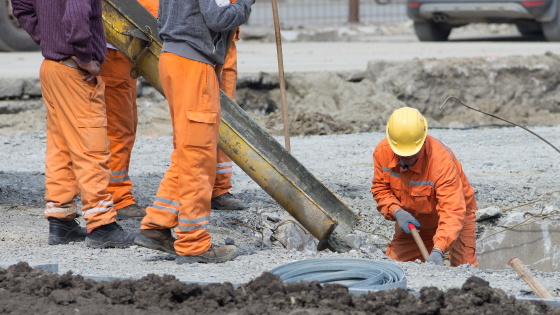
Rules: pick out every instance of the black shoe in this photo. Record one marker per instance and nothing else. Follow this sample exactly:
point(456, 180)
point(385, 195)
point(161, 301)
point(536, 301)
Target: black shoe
point(64, 232)
point(110, 235)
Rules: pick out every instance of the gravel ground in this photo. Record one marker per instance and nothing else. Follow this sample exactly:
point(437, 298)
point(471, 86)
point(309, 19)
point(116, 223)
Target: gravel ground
point(505, 166)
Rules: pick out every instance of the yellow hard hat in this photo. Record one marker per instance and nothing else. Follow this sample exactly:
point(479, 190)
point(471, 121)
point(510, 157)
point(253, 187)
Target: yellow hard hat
point(406, 131)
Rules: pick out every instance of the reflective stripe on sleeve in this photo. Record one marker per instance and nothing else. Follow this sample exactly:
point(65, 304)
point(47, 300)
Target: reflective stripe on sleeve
point(446, 149)
point(386, 169)
point(421, 183)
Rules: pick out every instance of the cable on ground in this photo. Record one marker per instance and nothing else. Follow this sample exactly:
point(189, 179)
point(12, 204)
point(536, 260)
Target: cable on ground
point(498, 117)
point(355, 273)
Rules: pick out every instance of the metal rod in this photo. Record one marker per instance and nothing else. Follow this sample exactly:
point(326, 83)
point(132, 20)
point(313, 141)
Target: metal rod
point(500, 118)
point(281, 74)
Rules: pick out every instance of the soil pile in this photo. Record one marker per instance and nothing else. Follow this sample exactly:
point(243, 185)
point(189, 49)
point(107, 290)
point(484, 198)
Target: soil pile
point(24, 290)
point(522, 89)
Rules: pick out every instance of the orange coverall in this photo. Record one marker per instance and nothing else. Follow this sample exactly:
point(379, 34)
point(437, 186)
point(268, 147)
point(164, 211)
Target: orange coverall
point(77, 146)
point(436, 192)
point(229, 81)
point(122, 118)
point(184, 194)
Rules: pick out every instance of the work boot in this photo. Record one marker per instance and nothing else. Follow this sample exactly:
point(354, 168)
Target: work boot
point(64, 232)
point(157, 239)
point(110, 235)
point(227, 202)
point(131, 211)
point(214, 255)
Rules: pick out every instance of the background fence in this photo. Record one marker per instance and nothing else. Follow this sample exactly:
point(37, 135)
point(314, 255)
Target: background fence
point(328, 12)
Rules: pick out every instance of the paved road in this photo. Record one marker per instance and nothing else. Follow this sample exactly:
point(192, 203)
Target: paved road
point(334, 56)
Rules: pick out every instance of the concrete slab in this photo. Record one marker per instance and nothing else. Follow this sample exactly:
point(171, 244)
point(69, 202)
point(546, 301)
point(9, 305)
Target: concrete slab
point(47, 267)
point(536, 244)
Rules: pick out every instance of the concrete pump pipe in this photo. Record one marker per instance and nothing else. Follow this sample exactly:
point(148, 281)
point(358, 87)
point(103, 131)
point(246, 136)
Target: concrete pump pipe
point(133, 30)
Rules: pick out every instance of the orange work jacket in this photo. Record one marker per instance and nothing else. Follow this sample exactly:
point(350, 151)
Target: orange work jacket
point(151, 5)
point(435, 190)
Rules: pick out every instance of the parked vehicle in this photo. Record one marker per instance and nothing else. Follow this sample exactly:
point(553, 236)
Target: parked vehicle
point(434, 19)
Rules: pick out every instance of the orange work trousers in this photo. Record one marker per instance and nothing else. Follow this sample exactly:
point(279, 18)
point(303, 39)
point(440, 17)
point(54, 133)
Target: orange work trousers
point(77, 146)
point(462, 251)
point(225, 164)
point(122, 119)
point(183, 197)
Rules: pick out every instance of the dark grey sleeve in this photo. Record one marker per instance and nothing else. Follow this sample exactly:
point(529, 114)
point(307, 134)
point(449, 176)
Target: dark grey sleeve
point(220, 15)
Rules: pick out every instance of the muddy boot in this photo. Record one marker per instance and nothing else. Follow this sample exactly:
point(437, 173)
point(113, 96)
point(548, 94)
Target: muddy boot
point(110, 235)
point(156, 239)
point(215, 254)
point(227, 202)
point(64, 232)
point(131, 211)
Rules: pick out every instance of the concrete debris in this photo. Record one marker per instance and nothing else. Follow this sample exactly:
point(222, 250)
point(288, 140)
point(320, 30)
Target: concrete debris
point(536, 244)
point(353, 240)
point(229, 241)
point(266, 238)
point(290, 236)
point(488, 213)
point(273, 217)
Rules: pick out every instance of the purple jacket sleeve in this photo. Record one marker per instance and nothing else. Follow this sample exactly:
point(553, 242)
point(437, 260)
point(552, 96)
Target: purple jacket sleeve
point(76, 23)
point(27, 18)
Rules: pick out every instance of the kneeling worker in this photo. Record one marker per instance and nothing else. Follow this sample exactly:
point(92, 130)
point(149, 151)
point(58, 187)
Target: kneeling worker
point(419, 180)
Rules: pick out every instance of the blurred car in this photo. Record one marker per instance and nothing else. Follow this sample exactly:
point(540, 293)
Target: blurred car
point(12, 36)
point(434, 19)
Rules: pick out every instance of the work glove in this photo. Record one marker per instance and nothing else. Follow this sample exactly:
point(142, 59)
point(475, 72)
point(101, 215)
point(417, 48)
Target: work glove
point(403, 219)
point(436, 257)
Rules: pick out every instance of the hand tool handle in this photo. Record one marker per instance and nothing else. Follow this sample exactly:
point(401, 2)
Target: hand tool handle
point(418, 241)
point(528, 276)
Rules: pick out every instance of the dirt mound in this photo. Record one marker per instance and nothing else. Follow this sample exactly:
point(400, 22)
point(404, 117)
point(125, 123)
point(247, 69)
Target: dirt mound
point(24, 291)
point(523, 89)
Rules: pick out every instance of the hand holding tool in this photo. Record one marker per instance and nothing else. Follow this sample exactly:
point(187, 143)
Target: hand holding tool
point(436, 257)
point(403, 220)
point(528, 276)
point(419, 241)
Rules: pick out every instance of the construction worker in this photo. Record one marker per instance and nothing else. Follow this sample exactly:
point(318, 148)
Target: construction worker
point(194, 36)
point(419, 180)
point(72, 40)
point(120, 100)
point(222, 199)
point(122, 118)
